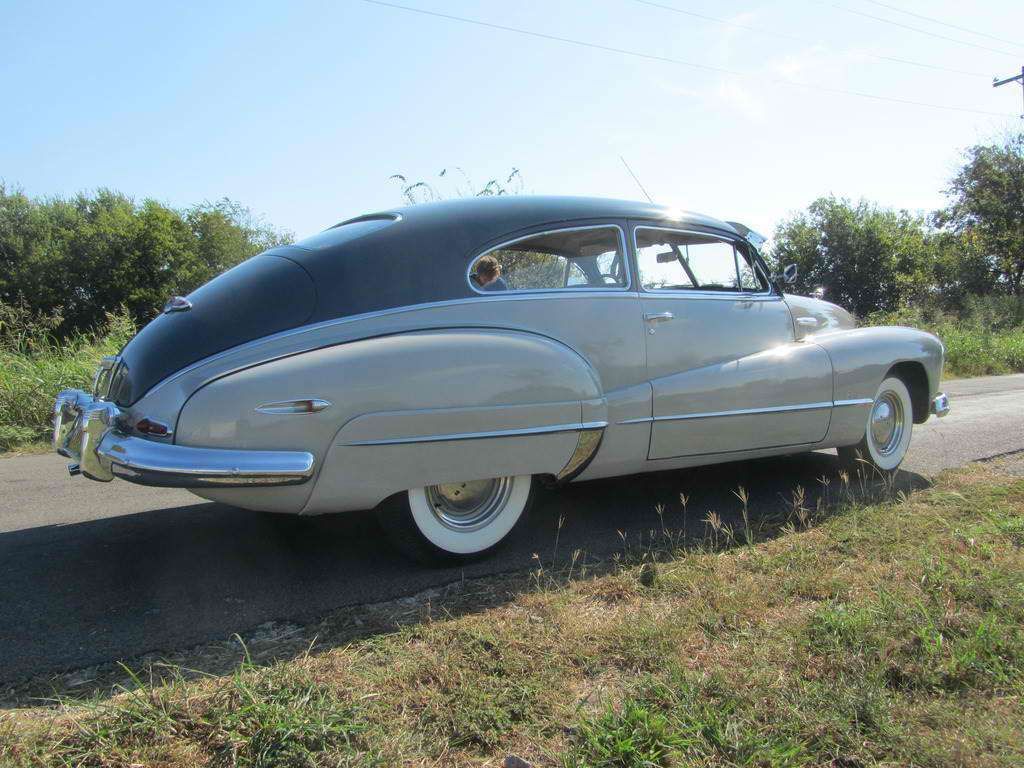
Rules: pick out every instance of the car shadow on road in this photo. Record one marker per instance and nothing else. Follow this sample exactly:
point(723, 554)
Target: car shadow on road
point(142, 587)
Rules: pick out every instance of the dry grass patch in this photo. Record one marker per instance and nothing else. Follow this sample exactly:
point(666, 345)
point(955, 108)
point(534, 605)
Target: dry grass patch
point(852, 634)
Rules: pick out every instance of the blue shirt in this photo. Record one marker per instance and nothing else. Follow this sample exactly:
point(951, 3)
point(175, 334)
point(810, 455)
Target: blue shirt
point(497, 285)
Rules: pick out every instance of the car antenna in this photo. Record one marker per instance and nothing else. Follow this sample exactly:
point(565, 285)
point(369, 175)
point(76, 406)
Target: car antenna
point(635, 179)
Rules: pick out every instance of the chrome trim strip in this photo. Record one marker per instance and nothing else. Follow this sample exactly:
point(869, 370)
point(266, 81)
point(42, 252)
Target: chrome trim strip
point(737, 412)
point(482, 435)
point(858, 401)
point(696, 293)
point(297, 406)
point(640, 420)
point(521, 291)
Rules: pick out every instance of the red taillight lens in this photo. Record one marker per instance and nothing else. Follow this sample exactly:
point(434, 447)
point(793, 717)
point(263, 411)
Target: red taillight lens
point(152, 427)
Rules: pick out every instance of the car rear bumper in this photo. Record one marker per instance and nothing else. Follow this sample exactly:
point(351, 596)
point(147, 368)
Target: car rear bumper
point(89, 432)
point(940, 405)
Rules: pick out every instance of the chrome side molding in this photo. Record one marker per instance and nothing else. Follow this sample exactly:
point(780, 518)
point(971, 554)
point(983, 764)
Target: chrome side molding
point(311, 405)
point(519, 432)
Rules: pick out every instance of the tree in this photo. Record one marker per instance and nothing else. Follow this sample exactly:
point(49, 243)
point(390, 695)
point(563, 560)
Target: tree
point(987, 208)
point(82, 257)
point(861, 256)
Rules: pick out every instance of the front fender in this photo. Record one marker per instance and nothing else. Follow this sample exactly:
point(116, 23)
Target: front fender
point(861, 358)
point(407, 410)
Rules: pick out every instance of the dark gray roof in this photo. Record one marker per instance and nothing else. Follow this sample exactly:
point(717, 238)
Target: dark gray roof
point(401, 257)
point(517, 211)
point(423, 256)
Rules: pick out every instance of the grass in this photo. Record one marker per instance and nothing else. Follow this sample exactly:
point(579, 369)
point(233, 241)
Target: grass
point(34, 367)
point(864, 631)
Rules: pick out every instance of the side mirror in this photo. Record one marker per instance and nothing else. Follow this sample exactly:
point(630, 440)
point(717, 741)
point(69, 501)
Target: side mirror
point(788, 276)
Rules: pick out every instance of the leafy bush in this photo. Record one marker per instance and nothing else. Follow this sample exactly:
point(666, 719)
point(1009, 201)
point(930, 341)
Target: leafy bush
point(83, 257)
point(35, 365)
point(985, 337)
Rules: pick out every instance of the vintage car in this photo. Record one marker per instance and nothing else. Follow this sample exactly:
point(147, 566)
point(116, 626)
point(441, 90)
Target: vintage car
point(437, 362)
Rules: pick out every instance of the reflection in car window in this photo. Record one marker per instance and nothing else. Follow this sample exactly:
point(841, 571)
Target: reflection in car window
point(670, 260)
point(589, 257)
point(750, 276)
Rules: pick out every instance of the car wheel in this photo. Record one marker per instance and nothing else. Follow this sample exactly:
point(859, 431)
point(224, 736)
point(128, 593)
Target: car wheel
point(887, 434)
point(452, 522)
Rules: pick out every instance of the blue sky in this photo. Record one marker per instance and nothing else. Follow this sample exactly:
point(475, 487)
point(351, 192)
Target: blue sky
point(302, 110)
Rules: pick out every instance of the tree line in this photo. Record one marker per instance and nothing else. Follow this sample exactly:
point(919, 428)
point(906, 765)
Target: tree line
point(73, 260)
point(872, 259)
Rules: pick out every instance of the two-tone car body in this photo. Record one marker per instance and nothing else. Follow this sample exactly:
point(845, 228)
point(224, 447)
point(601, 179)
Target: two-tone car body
point(381, 364)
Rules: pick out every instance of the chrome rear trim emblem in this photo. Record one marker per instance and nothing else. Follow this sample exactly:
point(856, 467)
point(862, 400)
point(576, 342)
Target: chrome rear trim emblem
point(177, 304)
point(312, 405)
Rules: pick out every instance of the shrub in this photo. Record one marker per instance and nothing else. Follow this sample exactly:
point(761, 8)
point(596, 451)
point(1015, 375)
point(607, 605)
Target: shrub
point(35, 365)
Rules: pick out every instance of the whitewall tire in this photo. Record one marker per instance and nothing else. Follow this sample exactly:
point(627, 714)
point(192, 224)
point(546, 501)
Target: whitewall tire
point(887, 434)
point(456, 521)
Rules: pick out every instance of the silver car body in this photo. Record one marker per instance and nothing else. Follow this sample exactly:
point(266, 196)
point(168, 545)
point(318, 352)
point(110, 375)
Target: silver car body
point(571, 384)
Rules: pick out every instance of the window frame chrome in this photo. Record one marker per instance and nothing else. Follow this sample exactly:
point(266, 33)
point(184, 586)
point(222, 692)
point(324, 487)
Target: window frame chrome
point(623, 247)
point(697, 293)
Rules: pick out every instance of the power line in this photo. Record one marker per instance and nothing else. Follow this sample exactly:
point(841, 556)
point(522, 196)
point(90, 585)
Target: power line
point(678, 62)
point(804, 41)
point(915, 29)
point(945, 23)
point(996, 82)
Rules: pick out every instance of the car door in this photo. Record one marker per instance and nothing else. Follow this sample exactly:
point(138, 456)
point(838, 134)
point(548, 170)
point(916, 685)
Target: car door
point(725, 369)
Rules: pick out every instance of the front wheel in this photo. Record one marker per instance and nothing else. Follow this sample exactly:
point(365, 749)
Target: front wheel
point(887, 434)
point(454, 522)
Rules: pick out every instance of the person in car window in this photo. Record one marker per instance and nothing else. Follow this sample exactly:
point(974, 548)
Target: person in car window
point(488, 275)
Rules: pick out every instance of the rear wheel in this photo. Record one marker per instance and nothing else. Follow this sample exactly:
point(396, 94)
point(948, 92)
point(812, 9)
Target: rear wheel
point(888, 431)
point(453, 522)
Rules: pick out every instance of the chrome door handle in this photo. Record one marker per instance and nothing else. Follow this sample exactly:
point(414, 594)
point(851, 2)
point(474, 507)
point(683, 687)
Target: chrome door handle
point(658, 317)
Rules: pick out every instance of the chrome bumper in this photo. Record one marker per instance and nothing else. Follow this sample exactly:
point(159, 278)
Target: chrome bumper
point(88, 431)
point(940, 404)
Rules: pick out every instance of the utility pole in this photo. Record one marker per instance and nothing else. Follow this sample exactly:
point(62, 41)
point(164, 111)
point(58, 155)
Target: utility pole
point(996, 82)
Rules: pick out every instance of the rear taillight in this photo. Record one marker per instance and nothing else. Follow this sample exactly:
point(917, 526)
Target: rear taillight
point(152, 427)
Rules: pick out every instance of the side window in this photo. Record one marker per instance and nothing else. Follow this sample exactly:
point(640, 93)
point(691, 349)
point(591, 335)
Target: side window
point(670, 260)
point(750, 276)
point(589, 257)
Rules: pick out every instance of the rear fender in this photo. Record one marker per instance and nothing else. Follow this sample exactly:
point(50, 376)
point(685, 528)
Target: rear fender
point(406, 410)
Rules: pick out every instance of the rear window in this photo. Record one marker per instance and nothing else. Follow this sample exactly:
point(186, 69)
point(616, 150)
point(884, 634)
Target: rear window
point(345, 233)
point(573, 258)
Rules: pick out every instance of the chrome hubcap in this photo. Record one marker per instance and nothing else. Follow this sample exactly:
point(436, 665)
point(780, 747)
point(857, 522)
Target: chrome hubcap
point(887, 423)
point(470, 505)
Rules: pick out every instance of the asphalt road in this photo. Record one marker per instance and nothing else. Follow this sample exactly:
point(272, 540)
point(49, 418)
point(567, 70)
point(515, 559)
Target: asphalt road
point(93, 572)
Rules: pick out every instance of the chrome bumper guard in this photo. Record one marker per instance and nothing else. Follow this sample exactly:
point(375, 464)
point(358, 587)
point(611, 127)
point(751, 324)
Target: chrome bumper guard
point(940, 404)
point(88, 431)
